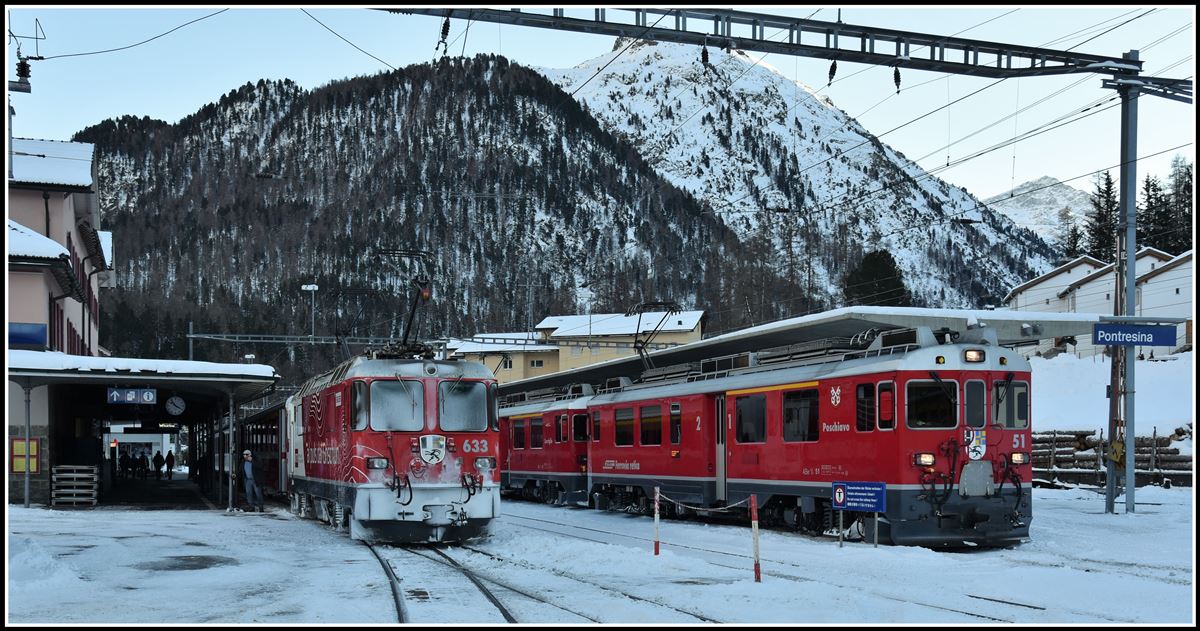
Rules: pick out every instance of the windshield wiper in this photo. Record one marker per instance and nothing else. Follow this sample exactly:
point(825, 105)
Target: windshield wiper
point(950, 391)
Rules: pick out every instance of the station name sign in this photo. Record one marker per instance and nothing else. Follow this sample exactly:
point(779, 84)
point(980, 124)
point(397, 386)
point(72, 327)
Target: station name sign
point(1133, 335)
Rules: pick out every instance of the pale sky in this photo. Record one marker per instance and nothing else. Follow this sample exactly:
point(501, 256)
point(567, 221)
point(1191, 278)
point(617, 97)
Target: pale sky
point(176, 74)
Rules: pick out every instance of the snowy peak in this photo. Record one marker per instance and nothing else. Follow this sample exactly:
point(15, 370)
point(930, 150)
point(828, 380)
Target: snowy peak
point(1038, 205)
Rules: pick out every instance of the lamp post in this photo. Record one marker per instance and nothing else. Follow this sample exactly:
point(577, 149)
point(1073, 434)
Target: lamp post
point(312, 289)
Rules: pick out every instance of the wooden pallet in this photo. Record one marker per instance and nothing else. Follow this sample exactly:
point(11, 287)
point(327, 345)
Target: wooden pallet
point(74, 485)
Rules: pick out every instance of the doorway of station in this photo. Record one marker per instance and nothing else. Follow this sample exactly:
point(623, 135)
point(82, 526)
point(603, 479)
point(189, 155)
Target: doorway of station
point(150, 468)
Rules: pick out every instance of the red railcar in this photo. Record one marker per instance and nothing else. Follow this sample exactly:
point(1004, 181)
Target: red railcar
point(943, 424)
point(396, 448)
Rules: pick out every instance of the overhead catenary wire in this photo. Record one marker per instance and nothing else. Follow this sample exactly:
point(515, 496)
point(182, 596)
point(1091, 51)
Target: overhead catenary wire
point(348, 41)
point(112, 50)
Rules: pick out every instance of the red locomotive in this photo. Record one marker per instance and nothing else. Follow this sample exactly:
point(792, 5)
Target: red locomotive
point(397, 447)
point(941, 419)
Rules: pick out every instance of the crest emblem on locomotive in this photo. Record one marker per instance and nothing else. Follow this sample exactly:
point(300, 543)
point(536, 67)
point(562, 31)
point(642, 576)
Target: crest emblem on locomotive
point(977, 445)
point(433, 448)
point(835, 395)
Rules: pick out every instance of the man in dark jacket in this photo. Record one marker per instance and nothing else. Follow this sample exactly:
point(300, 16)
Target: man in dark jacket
point(252, 475)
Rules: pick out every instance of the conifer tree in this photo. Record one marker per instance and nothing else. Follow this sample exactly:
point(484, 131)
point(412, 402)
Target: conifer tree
point(876, 281)
point(1179, 193)
point(1101, 228)
point(1150, 212)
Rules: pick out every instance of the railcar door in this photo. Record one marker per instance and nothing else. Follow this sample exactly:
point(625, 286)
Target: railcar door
point(722, 453)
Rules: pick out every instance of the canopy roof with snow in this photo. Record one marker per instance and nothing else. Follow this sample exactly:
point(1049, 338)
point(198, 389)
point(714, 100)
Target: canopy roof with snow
point(618, 323)
point(210, 379)
point(486, 343)
point(1011, 327)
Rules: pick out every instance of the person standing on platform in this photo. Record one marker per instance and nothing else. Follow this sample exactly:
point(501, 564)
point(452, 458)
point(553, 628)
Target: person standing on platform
point(170, 463)
point(251, 475)
point(158, 464)
point(125, 464)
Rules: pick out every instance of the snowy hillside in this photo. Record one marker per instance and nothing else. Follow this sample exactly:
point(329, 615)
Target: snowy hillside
point(1038, 210)
point(748, 140)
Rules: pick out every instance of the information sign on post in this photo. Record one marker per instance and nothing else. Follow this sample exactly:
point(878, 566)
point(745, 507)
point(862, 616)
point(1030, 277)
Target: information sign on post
point(133, 396)
point(866, 497)
point(1133, 335)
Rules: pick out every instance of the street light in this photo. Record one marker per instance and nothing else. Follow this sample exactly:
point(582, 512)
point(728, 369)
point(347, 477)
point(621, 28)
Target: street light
point(313, 290)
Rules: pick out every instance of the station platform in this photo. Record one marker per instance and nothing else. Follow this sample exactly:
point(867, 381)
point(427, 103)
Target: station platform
point(176, 561)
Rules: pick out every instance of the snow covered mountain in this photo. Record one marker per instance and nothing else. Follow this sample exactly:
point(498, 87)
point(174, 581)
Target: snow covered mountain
point(747, 140)
point(1037, 204)
point(730, 189)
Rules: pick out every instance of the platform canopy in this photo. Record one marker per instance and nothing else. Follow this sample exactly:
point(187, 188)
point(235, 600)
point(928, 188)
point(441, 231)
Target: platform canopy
point(203, 379)
point(1011, 327)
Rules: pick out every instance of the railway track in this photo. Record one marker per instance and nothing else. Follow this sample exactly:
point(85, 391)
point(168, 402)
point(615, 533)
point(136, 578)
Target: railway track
point(998, 609)
point(426, 592)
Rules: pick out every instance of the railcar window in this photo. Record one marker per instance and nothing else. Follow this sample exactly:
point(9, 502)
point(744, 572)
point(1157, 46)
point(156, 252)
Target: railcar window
point(537, 433)
point(623, 422)
point(865, 407)
point(359, 405)
point(463, 406)
point(651, 425)
point(751, 418)
point(801, 420)
point(595, 426)
point(887, 406)
point(561, 429)
point(518, 434)
point(676, 424)
point(1012, 404)
point(397, 405)
point(929, 407)
point(579, 424)
point(976, 403)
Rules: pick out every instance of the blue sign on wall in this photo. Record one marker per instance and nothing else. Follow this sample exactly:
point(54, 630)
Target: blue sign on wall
point(27, 336)
point(1132, 335)
point(136, 396)
point(870, 497)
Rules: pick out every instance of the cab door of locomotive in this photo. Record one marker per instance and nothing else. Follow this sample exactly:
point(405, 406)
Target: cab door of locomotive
point(722, 452)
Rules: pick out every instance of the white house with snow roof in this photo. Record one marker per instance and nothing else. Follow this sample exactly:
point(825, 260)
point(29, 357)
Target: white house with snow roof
point(511, 356)
point(1081, 286)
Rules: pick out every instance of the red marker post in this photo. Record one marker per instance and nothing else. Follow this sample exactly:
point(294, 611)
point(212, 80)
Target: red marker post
point(656, 521)
point(754, 530)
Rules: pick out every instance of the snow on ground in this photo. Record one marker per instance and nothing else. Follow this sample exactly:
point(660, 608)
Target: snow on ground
point(1080, 566)
point(1068, 394)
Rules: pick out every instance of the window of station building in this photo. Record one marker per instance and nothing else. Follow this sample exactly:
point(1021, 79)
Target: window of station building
point(1012, 404)
point(864, 409)
point(358, 395)
point(506, 363)
point(536, 363)
point(537, 433)
point(623, 424)
point(676, 424)
point(579, 427)
point(560, 433)
point(518, 434)
point(397, 405)
point(651, 425)
point(801, 416)
point(595, 426)
point(751, 419)
point(887, 406)
point(975, 398)
point(576, 351)
point(931, 405)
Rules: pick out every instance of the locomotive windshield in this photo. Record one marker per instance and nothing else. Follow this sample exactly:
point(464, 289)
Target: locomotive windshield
point(463, 406)
point(929, 406)
point(397, 405)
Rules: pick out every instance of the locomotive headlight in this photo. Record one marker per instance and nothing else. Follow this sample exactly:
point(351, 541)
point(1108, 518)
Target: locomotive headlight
point(973, 355)
point(923, 460)
point(485, 464)
point(377, 463)
point(1020, 458)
